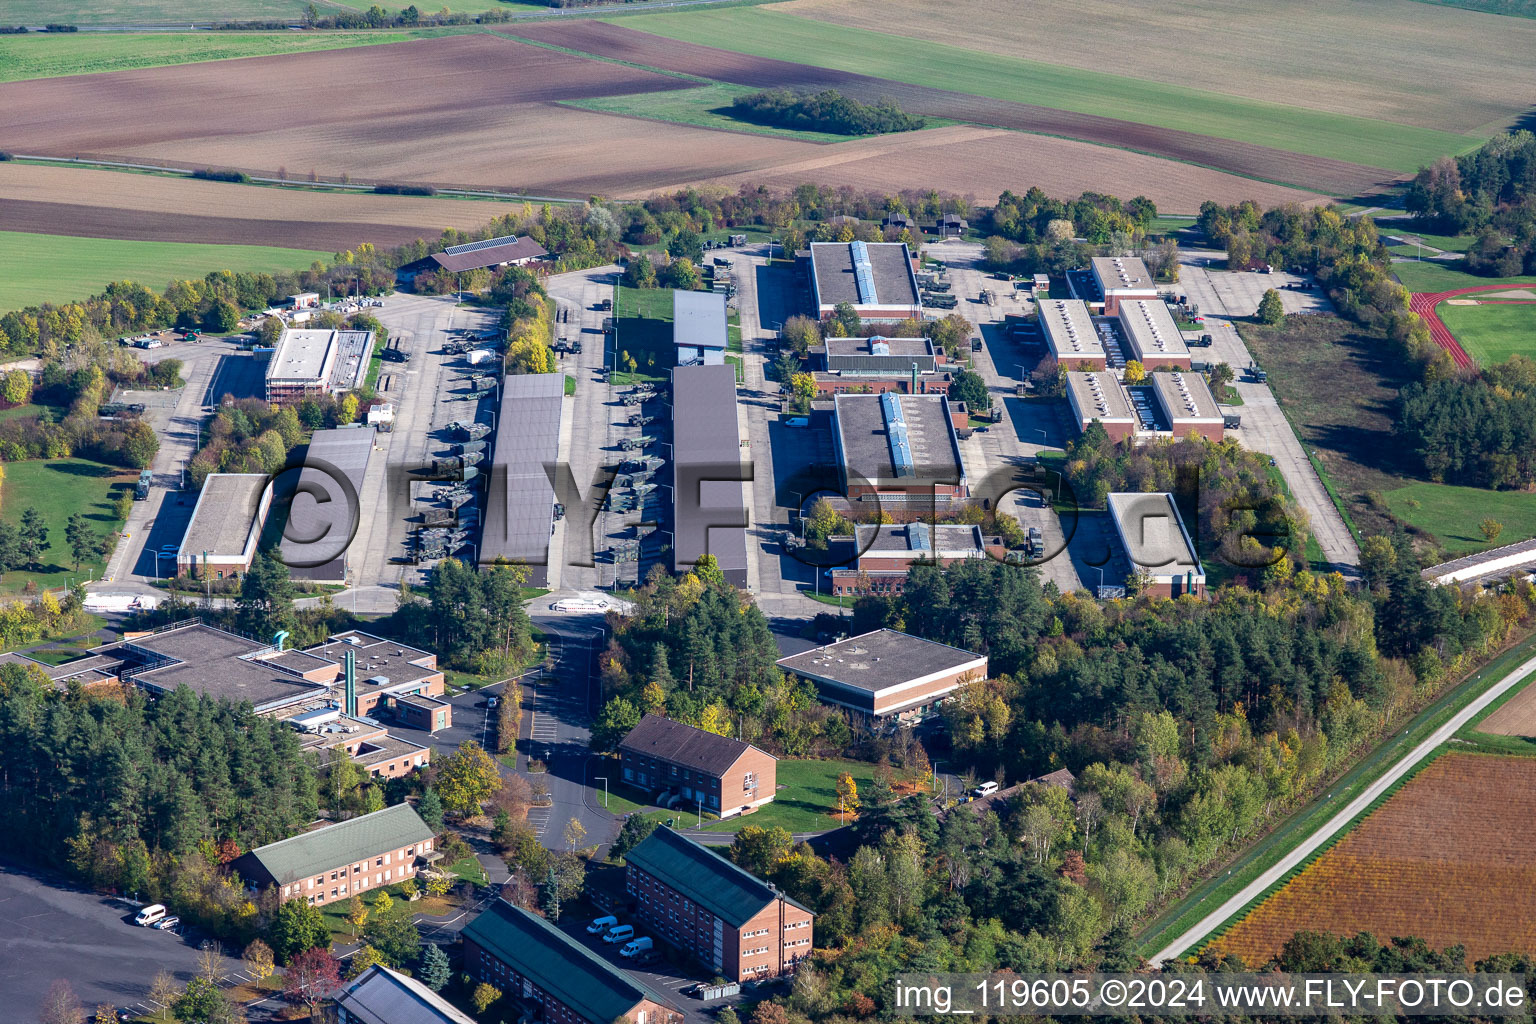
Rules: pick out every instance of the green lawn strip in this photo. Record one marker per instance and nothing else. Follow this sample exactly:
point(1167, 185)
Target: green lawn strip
point(469, 869)
point(58, 488)
point(707, 106)
point(155, 12)
point(1292, 830)
point(1492, 333)
point(1443, 276)
point(17, 412)
point(1454, 514)
point(836, 602)
point(643, 317)
point(733, 333)
point(765, 32)
point(37, 55)
point(570, 385)
point(59, 268)
point(806, 799)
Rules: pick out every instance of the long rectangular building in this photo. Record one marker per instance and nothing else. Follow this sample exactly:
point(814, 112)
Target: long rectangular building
point(1153, 338)
point(1186, 402)
point(1098, 396)
point(899, 450)
point(344, 859)
point(1070, 334)
point(520, 503)
point(1119, 278)
point(226, 525)
point(308, 363)
point(876, 278)
point(727, 776)
point(736, 924)
point(886, 676)
point(1152, 532)
point(884, 554)
point(334, 465)
point(709, 511)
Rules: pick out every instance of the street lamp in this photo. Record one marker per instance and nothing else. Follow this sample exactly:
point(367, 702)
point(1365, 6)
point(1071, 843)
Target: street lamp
point(604, 780)
point(157, 565)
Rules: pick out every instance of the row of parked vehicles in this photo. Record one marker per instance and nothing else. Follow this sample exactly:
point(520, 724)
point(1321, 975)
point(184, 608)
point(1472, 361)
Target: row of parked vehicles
point(641, 949)
point(156, 916)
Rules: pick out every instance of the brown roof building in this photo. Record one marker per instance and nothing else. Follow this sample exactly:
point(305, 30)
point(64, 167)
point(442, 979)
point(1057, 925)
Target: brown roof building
point(886, 677)
point(507, 250)
point(707, 771)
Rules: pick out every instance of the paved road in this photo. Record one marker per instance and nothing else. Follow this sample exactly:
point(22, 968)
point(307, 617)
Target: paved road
point(1339, 821)
point(1265, 428)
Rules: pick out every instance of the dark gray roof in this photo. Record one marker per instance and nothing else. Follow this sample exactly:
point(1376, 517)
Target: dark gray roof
point(835, 278)
point(880, 660)
point(1153, 533)
point(864, 441)
point(888, 355)
point(333, 460)
point(708, 879)
point(707, 456)
point(920, 539)
point(381, 996)
point(520, 505)
point(683, 745)
point(699, 319)
point(490, 252)
point(214, 663)
point(345, 842)
point(584, 982)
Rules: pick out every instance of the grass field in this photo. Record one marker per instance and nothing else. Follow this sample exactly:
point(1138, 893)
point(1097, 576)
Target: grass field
point(59, 268)
point(1427, 276)
point(150, 12)
point(765, 32)
point(807, 797)
point(1492, 333)
point(59, 488)
point(644, 320)
point(1445, 243)
point(708, 106)
point(82, 53)
point(1453, 514)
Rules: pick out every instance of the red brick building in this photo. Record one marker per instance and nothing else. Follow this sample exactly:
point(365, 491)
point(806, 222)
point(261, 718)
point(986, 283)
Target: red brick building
point(338, 861)
point(386, 672)
point(730, 920)
point(706, 771)
point(380, 754)
point(554, 977)
point(899, 452)
point(1151, 336)
point(886, 677)
point(886, 553)
point(1186, 404)
point(1099, 396)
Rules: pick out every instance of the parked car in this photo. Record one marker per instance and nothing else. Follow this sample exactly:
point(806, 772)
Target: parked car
point(166, 924)
point(601, 925)
point(150, 914)
point(491, 702)
point(985, 789)
point(620, 933)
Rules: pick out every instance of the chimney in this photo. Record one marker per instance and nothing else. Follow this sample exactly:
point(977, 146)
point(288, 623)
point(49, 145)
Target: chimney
point(914, 378)
point(349, 673)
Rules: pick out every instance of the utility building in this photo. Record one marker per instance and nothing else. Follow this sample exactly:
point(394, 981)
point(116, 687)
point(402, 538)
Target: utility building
point(221, 539)
point(1185, 401)
point(1152, 532)
point(1070, 334)
point(308, 363)
point(1098, 396)
point(700, 329)
point(876, 278)
point(886, 677)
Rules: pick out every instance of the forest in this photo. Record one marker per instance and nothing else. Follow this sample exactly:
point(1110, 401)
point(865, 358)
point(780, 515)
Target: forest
point(1490, 193)
point(1478, 428)
point(825, 111)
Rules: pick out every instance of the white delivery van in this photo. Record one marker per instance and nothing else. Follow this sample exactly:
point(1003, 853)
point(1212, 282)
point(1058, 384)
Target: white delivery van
point(601, 925)
point(985, 789)
point(150, 914)
point(620, 933)
point(636, 947)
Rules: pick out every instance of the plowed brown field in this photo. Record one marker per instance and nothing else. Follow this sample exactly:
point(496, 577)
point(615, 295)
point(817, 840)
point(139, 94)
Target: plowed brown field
point(615, 41)
point(1515, 717)
point(1447, 859)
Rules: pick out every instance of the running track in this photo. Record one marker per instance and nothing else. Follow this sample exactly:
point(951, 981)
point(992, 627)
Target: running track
point(1424, 303)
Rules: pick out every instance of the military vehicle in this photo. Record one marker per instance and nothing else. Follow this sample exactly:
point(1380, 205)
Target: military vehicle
point(630, 444)
point(637, 420)
point(647, 464)
point(438, 517)
point(480, 381)
point(457, 346)
point(641, 490)
point(475, 396)
point(472, 431)
point(466, 447)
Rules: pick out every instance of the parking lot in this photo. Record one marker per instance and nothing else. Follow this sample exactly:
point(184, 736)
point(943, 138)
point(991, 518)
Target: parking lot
point(53, 931)
point(665, 977)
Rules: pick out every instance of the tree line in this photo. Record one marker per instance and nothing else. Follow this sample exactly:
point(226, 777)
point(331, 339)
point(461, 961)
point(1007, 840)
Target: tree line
point(1477, 428)
point(1488, 192)
point(824, 111)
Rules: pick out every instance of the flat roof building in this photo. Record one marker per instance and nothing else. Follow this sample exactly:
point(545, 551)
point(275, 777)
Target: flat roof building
point(730, 920)
point(1122, 277)
point(339, 861)
point(334, 461)
point(875, 277)
point(1484, 567)
point(387, 672)
point(1152, 532)
point(520, 502)
point(885, 677)
point(1098, 396)
point(1186, 403)
point(900, 450)
point(709, 510)
point(700, 330)
point(310, 362)
point(222, 537)
point(382, 996)
point(1153, 338)
point(1070, 334)
point(726, 776)
point(525, 956)
point(876, 356)
point(885, 553)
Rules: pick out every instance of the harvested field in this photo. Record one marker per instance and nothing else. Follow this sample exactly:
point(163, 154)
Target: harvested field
point(1319, 173)
point(158, 208)
point(1515, 717)
point(1367, 58)
point(982, 162)
point(1447, 859)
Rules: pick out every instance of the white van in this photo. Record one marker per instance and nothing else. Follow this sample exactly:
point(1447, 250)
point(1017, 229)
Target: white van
point(601, 925)
point(636, 948)
point(620, 933)
point(985, 789)
point(150, 914)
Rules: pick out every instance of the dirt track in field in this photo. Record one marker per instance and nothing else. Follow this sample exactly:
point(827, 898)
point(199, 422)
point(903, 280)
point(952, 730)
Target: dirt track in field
point(1334, 177)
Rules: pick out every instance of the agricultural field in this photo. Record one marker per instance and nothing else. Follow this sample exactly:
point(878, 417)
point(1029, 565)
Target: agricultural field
point(1453, 514)
point(1446, 858)
point(59, 268)
point(83, 53)
point(1491, 332)
point(58, 488)
point(54, 199)
point(707, 106)
point(768, 32)
point(1513, 717)
point(148, 12)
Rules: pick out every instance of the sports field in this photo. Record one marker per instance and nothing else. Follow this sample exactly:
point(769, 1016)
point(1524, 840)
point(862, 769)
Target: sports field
point(1491, 332)
point(1442, 276)
point(1455, 514)
point(768, 32)
point(59, 268)
point(58, 488)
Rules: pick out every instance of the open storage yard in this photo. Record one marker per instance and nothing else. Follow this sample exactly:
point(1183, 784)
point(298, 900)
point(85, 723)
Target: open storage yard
point(1446, 858)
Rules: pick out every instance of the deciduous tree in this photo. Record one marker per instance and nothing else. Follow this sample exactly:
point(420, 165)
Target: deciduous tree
point(466, 779)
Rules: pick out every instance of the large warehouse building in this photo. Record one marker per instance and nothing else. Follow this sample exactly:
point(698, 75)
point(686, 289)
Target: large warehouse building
point(886, 677)
point(875, 277)
point(700, 329)
point(1099, 396)
point(709, 512)
point(899, 450)
point(1151, 335)
point(1119, 278)
point(520, 505)
point(308, 363)
point(1070, 334)
point(1152, 532)
point(221, 539)
point(322, 508)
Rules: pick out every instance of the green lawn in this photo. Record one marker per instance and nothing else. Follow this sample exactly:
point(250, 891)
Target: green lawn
point(58, 488)
point(150, 12)
point(1445, 243)
point(807, 797)
point(708, 106)
point(17, 412)
point(765, 32)
point(37, 55)
point(1492, 333)
point(1454, 514)
point(644, 319)
point(61, 268)
point(1440, 276)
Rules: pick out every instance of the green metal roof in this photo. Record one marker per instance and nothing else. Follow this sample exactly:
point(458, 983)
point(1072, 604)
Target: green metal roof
point(342, 843)
point(593, 989)
point(708, 879)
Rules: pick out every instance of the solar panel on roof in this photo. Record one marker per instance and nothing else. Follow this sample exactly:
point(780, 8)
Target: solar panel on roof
point(863, 275)
point(489, 243)
point(896, 430)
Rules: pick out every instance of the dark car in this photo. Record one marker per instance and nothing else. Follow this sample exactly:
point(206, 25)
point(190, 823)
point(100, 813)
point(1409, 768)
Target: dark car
point(395, 355)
